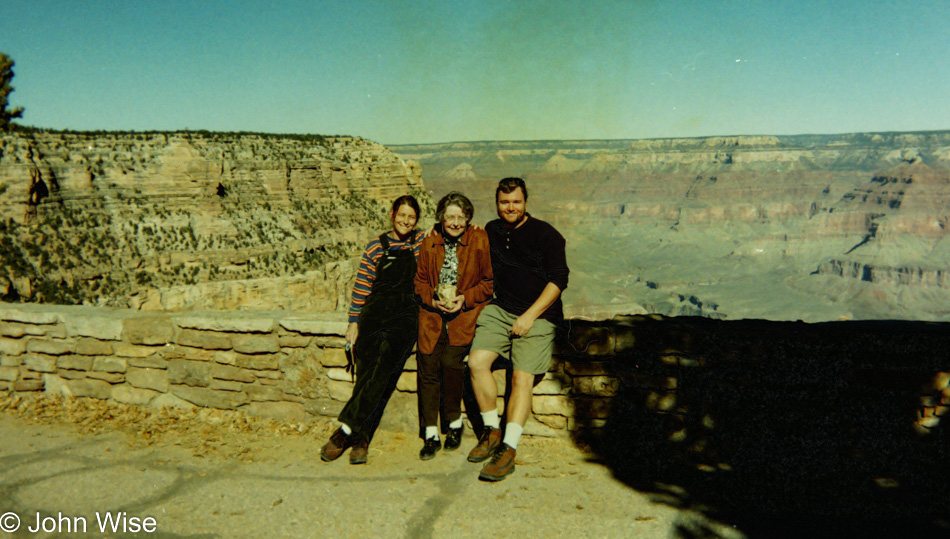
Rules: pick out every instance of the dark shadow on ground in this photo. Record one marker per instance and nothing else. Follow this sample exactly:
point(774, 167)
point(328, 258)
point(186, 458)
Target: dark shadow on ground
point(783, 429)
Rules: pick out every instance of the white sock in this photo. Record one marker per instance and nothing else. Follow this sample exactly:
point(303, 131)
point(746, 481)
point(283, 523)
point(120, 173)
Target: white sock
point(432, 432)
point(513, 434)
point(457, 424)
point(346, 429)
point(490, 419)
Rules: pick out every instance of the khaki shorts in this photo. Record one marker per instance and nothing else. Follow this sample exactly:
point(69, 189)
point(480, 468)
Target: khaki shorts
point(530, 353)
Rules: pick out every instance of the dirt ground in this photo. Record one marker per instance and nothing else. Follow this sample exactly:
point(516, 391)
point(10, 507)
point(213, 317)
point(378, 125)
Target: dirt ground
point(213, 473)
point(210, 433)
point(205, 432)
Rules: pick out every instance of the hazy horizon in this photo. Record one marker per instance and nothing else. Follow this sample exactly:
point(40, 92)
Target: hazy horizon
point(28, 127)
point(423, 72)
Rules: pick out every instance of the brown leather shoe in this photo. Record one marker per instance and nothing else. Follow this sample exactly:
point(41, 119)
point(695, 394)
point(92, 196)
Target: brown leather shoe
point(360, 452)
point(487, 443)
point(338, 443)
point(501, 464)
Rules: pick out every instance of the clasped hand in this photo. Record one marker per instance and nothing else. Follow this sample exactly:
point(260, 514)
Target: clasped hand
point(449, 307)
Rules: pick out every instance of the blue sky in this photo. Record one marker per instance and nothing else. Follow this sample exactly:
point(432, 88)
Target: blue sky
point(416, 71)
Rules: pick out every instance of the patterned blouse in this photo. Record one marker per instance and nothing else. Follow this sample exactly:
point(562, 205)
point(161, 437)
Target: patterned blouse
point(450, 268)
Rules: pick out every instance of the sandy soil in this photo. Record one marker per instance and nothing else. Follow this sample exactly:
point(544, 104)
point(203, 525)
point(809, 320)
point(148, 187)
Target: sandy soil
point(213, 473)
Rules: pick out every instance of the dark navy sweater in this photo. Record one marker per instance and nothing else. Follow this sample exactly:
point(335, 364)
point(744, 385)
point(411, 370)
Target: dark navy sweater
point(524, 260)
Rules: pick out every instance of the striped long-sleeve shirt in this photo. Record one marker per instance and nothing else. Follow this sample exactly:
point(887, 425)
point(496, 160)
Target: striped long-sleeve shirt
point(366, 275)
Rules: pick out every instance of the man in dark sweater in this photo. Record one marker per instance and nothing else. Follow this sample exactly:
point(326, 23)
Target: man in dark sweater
point(530, 270)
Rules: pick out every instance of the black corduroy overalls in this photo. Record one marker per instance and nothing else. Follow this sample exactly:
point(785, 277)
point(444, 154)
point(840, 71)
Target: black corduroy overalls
point(388, 326)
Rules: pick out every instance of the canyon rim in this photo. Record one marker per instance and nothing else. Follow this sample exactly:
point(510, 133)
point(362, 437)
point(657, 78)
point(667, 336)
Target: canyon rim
point(810, 227)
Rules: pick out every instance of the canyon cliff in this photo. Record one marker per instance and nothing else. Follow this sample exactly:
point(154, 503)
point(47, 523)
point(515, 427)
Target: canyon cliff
point(810, 227)
point(190, 221)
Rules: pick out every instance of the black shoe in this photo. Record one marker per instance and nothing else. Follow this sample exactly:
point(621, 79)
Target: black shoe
point(453, 439)
point(433, 445)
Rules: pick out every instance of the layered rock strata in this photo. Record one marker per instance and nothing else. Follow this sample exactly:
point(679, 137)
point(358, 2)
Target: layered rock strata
point(818, 227)
point(191, 220)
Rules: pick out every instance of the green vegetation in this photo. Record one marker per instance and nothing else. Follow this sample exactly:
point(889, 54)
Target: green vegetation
point(202, 134)
point(6, 77)
point(74, 252)
point(124, 236)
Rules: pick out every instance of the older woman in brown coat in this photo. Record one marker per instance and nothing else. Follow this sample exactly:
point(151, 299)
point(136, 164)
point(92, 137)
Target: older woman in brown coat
point(453, 283)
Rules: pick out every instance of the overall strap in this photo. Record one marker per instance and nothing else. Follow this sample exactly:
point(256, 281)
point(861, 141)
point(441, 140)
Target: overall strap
point(384, 240)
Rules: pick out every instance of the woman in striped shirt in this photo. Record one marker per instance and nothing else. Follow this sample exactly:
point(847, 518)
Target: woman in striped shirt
point(382, 331)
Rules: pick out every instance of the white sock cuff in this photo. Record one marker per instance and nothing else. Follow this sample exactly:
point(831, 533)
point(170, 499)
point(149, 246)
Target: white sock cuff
point(513, 434)
point(457, 424)
point(490, 419)
point(432, 432)
point(346, 429)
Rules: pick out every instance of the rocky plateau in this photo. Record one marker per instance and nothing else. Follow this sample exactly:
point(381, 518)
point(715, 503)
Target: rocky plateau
point(191, 221)
point(810, 227)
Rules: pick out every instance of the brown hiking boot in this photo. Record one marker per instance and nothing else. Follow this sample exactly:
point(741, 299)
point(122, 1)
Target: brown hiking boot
point(360, 452)
point(338, 443)
point(501, 464)
point(487, 443)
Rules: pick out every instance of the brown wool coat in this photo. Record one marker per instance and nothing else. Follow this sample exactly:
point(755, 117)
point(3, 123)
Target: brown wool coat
point(474, 282)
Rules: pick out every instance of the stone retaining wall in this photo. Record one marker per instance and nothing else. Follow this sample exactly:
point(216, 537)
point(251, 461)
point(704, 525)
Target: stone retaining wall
point(286, 365)
point(674, 377)
point(845, 422)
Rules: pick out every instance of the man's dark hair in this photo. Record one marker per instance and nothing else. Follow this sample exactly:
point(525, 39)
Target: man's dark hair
point(410, 201)
point(455, 199)
point(508, 185)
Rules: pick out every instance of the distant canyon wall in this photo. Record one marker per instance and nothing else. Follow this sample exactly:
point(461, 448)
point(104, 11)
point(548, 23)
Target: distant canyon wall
point(812, 227)
point(180, 221)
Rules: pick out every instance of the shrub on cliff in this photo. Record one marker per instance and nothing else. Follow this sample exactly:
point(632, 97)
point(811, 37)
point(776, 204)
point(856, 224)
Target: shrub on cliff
point(6, 75)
